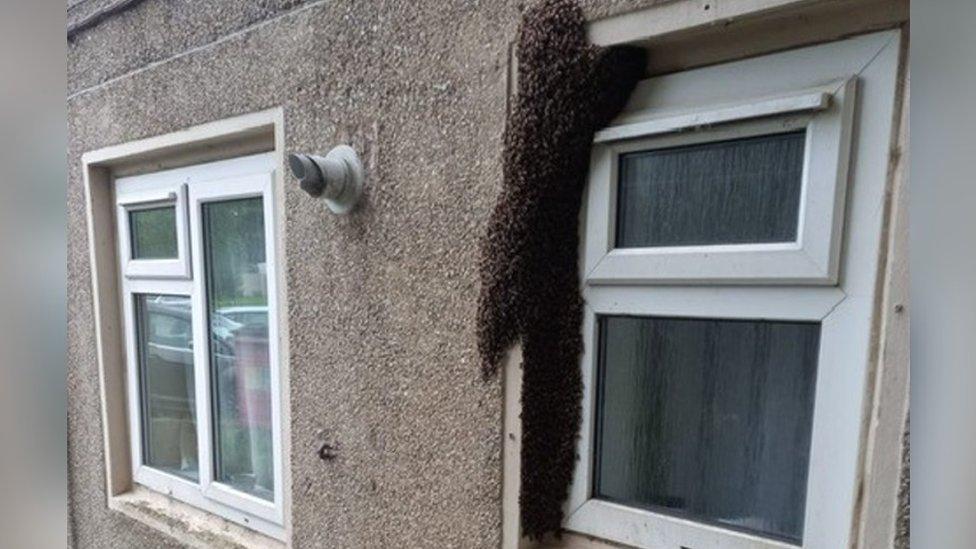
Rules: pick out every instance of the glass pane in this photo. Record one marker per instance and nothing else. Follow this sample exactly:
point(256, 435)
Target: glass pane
point(728, 192)
point(237, 300)
point(708, 419)
point(153, 233)
point(165, 340)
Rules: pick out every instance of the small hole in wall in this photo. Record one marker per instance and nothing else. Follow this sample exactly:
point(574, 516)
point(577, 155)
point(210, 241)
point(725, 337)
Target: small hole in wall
point(707, 7)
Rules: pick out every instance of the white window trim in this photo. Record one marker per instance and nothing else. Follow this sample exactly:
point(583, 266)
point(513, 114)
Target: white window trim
point(817, 99)
point(249, 176)
point(825, 113)
point(845, 311)
point(171, 193)
point(250, 133)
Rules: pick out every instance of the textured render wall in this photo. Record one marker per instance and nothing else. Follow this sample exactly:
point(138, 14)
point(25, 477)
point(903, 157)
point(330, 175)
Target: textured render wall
point(154, 31)
point(381, 304)
point(904, 518)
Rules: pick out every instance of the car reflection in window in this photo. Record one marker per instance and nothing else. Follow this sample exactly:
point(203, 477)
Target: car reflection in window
point(170, 333)
point(170, 328)
point(243, 379)
point(240, 363)
point(251, 316)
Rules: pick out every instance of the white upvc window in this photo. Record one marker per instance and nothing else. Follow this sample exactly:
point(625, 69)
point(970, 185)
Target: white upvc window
point(802, 197)
point(732, 229)
point(152, 234)
point(197, 248)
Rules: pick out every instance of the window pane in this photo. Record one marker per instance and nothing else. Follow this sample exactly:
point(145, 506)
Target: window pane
point(165, 336)
point(153, 233)
point(729, 192)
point(708, 419)
point(239, 356)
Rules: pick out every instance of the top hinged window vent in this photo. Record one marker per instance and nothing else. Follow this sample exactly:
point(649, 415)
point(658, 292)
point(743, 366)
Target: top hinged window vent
point(739, 189)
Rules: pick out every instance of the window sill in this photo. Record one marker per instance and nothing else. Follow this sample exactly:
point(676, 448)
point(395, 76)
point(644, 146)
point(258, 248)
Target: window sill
point(185, 523)
point(570, 540)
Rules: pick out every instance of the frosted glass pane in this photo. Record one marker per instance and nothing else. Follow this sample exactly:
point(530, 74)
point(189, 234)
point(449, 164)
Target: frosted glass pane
point(707, 419)
point(153, 233)
point(164, 337)
point(237, 299)
point(729, 192)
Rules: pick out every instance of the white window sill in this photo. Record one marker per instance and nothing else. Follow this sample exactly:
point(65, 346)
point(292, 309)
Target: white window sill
point(185, 523)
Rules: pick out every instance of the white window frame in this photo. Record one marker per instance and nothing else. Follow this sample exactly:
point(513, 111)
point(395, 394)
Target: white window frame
point(162, 193)
point(825, 112)
point(249, 176)
point(771, 288)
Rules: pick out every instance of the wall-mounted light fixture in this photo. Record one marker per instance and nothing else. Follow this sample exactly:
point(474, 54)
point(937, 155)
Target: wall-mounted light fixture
point(337, 177)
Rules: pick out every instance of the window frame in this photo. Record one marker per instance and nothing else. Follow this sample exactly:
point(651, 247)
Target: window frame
point(824, 112)
point(132, 198)
point(247, 176)
point(844, 308)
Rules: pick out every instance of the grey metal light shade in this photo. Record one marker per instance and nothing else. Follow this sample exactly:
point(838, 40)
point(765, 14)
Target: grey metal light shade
point(337, 177)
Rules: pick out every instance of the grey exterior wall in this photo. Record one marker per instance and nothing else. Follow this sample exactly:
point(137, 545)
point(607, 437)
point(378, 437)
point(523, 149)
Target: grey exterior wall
point(903, 524)
point(381, 303)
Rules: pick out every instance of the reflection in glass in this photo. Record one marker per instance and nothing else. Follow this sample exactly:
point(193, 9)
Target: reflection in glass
point(728, 192)
point(153, 233)
point(237, 302)
point(164, 337)
point(708, 419)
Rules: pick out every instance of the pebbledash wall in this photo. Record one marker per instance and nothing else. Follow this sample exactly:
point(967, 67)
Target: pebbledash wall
point(381, 304)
